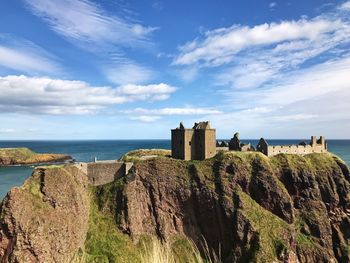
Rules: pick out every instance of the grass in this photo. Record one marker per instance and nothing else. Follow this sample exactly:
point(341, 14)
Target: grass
point(180, 250)
point(17, 153)
point(272, 231)
point(104, 242)
point(27, 156)
point(305, 240)
point(142, 154)
point(32, 185)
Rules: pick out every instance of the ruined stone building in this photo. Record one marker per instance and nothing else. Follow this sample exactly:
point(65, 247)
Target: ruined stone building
point(198, 143)
point(235, 144)
point(315, 146)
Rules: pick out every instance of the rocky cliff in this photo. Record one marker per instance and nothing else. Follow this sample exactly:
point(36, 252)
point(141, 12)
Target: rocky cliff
point(246, 206)
point(45, 220)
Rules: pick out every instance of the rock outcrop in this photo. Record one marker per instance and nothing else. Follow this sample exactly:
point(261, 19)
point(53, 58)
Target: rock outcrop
point(46, 219)
point(245, 207)
point(25, 156)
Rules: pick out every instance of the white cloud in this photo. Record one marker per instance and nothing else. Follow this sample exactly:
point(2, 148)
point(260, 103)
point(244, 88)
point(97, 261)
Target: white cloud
point(329, 77)
point(304, 102)
point(174, 111)
point(220, 45)
point(345, 6)
point(150, 92)
point(293, 117)
point(127, 72)
point(26, 57)
point(145, 118)
point(272, 5)
point(152, 115)
point(54, 96)
point(87, 23)
point(158, 5)
point(187, 74)
point(7, 130)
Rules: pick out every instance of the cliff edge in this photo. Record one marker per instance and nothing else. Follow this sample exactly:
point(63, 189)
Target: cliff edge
point(46, 219)
point(246, 206)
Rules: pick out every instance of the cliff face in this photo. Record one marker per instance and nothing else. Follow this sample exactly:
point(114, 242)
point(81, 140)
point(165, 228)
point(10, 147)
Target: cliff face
point(248, 208)
point(45, 220)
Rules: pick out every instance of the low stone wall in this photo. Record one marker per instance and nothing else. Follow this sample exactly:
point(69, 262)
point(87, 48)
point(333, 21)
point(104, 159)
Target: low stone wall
point(103, 172)
point(295, 149)
point(225, 149)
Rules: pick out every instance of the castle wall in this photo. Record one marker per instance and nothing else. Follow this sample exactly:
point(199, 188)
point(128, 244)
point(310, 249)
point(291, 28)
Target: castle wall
point(100, 173)
point(295, 149)
point(189, 144)
point(177, 139)
point(182, 144)
point(198, 145)
point(210, 143)
point(225, 149)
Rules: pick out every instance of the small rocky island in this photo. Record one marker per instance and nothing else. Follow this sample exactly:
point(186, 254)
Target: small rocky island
point(25, 156)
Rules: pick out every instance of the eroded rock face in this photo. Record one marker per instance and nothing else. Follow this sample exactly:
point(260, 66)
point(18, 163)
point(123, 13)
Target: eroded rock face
point(287, 209)
point(246, 206)
point(45, 220)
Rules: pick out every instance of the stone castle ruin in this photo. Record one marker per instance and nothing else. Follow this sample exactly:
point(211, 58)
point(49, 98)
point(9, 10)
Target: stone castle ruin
point(315, 146)
point(235, 144)
point(200, 143)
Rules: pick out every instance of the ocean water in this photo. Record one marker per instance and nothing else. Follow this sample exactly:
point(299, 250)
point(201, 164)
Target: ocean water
point(108, 150)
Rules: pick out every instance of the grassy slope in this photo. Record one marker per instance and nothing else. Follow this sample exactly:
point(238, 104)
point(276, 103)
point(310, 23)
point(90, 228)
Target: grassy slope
point(105, 243)
point(27, 156)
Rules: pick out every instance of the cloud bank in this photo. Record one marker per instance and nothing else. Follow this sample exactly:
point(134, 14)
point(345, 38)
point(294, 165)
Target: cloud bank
point(55, 96)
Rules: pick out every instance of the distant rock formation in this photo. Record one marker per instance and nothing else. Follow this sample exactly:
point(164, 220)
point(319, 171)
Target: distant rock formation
point(25, 156)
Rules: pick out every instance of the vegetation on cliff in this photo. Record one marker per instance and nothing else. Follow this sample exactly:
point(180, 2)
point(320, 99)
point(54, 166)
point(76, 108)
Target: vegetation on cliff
point(17, 156)
point(239, 207)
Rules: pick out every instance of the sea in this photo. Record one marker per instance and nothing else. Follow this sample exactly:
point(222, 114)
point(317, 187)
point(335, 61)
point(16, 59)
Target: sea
point(85, 151)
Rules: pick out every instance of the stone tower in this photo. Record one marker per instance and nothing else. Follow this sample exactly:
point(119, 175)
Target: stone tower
point(198, 143)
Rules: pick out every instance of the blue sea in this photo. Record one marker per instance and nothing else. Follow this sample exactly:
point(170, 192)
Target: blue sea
point(108, 150)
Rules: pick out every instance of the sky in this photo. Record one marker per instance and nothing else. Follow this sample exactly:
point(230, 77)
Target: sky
point(115, 69)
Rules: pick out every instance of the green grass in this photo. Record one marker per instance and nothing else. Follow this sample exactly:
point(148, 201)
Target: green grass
point(273, 232)
point(137, 155)
point(104, 242)
point(305, 240)
point(27, 156)
point(32, 185)
point(17, 153)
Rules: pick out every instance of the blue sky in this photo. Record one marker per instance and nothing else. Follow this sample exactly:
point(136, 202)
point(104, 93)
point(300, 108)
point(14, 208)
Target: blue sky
point(83, 69)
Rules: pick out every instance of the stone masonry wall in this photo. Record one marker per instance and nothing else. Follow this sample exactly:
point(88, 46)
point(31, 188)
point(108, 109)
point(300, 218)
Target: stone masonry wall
point(295, 149)
point(104, 172)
